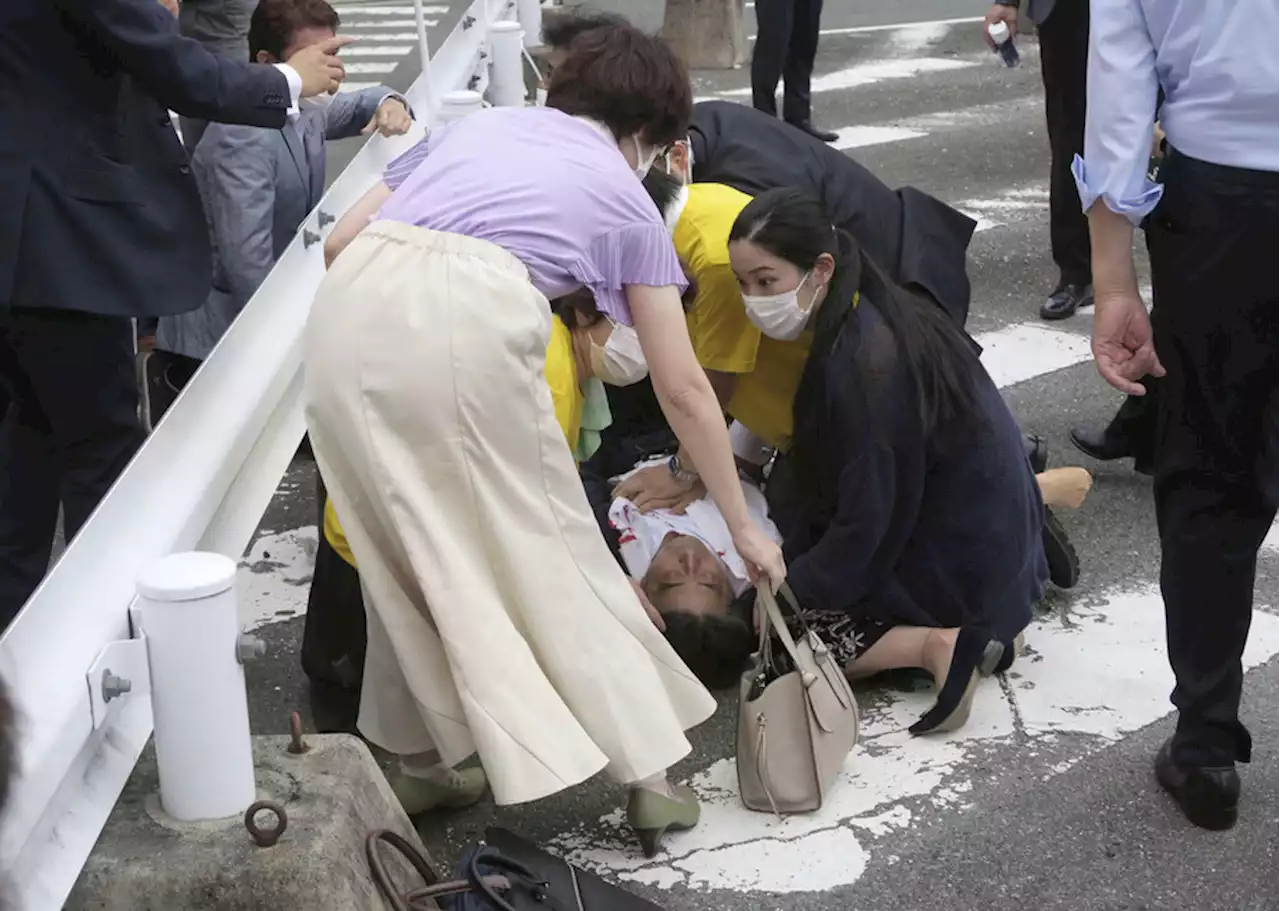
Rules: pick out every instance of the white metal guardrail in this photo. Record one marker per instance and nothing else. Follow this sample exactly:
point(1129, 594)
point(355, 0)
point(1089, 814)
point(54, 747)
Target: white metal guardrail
point(201, 482)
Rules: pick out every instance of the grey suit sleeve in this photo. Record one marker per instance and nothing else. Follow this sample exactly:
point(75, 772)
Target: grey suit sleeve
point(350, 112)
point(238, 178)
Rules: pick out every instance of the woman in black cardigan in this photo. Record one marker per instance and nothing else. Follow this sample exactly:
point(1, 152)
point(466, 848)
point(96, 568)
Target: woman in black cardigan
point(911, 518)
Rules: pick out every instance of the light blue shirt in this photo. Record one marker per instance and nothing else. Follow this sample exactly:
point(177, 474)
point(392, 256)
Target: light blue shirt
point(1219, 64)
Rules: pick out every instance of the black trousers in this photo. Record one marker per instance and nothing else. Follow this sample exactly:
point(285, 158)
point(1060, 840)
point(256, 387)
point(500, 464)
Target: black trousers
point(786, 45)
point(333, 635)
point(72, 428)
point(1213, 241)
point(1135, 423)
point(1064, 58)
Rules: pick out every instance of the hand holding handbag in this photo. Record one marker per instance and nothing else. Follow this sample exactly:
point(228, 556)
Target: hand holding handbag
point(797, 718)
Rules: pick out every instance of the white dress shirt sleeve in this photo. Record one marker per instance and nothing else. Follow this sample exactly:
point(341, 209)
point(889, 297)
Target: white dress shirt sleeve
point(1121, 105)
point(295, 86)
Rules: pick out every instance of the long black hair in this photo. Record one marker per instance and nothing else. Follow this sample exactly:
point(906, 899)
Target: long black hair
point(942, 366)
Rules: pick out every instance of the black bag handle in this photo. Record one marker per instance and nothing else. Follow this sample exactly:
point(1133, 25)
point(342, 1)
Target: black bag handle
point(489, 857)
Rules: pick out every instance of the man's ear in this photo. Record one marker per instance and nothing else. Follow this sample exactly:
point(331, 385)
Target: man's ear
point(264, 57)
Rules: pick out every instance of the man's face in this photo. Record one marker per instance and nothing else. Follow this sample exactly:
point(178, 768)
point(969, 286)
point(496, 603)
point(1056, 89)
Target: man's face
point(303, 37)
point(686, 577)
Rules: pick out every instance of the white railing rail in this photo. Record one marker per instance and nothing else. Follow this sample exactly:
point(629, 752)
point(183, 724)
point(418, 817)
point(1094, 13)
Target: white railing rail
point(201, 482)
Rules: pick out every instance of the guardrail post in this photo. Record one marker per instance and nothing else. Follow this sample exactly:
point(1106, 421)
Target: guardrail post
point(456, 105)
point(529, 13)
point(506, 82)
point(203, 751)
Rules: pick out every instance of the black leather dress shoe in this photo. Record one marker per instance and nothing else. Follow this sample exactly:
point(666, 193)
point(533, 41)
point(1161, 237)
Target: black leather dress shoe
point(1037, 451)
point(1208, 796)
point(1107, 447)
point(808, 127)
point(1064, 563)
point(1065, 300)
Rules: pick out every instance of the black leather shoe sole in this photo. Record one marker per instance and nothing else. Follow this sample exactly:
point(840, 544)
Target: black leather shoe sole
point(1208, 797)
point(1064, 564)
point(1096, 446)
point(824, 135)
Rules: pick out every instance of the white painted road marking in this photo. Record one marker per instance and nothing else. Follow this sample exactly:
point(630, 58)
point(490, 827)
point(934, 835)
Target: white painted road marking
point(358, 28)
point(361, 9)
point(893, 27)
point(870, 73)
point(1085, 684)
point(1017, 353)
point(377, 50)
point(357, 86)
point(275, 577)
point(860, 137)
point(364, 68)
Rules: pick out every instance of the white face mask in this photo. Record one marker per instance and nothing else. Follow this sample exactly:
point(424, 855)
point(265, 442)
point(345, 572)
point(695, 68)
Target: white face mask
point(643, 162)
point(779, 315)
point(619, 361)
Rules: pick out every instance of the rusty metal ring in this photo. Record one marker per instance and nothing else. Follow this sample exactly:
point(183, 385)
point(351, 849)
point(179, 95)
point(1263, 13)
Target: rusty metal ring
point(265, 838)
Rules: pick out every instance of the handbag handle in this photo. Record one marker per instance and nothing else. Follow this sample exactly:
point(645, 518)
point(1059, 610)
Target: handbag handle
point(772, 616)
point(512, 868)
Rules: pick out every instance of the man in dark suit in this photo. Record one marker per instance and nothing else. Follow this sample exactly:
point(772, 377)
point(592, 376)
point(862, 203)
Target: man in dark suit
point(919, 240)
point(102, 224)
point(1063, 26)
point(786, 46)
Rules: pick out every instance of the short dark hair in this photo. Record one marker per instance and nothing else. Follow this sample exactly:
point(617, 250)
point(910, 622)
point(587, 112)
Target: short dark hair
point(631, 82)
point(274, 23)
point(714, 646)
point(560, 29)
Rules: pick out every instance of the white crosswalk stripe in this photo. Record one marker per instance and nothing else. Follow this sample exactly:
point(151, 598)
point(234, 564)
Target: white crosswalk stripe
point(914, 104)
point(386, 35)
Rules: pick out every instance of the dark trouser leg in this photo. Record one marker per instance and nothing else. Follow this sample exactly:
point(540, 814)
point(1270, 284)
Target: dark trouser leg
point(1212, 242)
point(797, 71)
point(1064, 55)
point(773, 26)
point(333, 636)
point(1135, 424)
point(73, 385)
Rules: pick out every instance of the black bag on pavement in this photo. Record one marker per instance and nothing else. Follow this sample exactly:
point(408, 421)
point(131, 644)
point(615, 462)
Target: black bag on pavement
point(503, 873)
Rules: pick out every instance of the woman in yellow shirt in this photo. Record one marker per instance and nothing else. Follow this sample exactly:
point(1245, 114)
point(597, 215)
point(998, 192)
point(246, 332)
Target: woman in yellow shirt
point(585, 349)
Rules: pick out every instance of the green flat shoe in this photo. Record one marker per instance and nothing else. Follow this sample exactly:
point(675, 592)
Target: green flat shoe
point(452, 789)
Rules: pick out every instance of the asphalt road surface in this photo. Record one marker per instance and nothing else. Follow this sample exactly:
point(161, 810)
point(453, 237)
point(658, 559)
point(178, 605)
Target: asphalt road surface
point(1046, 799)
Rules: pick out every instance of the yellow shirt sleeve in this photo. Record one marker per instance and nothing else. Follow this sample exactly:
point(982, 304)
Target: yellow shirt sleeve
point(334, 534)
point(723, 338)
point(562, 379)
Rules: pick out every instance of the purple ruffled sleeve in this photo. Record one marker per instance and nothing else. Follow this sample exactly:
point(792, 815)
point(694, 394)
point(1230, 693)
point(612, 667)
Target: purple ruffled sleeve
point(637, 254)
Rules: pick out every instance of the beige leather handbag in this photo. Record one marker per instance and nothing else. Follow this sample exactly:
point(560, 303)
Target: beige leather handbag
point(797, 718)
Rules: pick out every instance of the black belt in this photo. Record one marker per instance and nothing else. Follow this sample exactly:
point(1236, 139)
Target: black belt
point(1243, 177)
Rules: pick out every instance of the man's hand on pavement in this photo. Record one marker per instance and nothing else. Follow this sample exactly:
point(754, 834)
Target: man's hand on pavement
point(391, 119)
point(999, 13)
point(318, 66)
point(1123, 347)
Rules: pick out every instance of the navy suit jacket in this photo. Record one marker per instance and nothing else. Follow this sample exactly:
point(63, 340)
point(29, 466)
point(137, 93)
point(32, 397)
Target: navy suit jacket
point(99, 211)
point(917, 239)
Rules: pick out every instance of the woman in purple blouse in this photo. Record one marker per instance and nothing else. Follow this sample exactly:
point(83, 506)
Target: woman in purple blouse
point(499, 623)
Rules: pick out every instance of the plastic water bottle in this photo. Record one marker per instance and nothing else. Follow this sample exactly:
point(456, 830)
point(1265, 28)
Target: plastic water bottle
point(999, 32)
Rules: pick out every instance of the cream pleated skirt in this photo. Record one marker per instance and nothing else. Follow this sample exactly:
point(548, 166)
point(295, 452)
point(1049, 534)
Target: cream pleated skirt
point(499, 622)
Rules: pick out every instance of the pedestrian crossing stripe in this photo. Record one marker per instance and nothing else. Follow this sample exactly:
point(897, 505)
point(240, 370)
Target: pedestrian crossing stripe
point(862, 74)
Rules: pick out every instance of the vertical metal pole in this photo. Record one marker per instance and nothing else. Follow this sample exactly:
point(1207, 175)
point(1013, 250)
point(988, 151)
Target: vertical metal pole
point(506, 79)
point(203, 750)
point(424, 56)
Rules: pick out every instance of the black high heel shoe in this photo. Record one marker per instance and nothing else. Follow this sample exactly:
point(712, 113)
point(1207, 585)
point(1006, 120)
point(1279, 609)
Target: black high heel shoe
point(955, 697)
